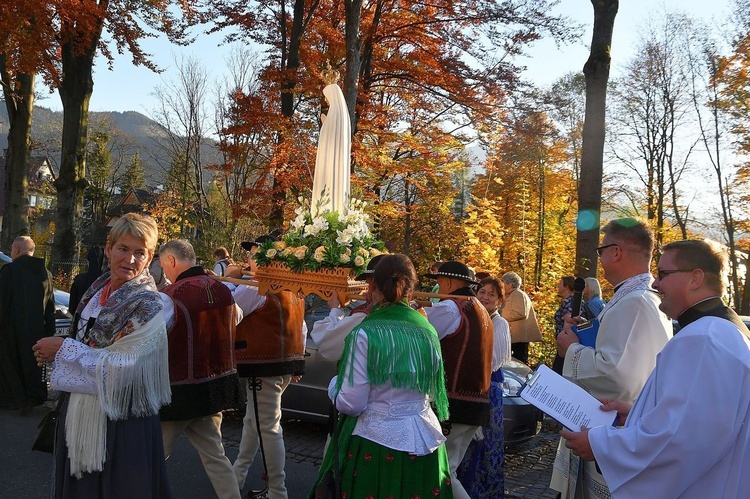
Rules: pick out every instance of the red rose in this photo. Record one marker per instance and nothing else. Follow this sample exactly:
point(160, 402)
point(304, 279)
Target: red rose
point(389, 457)
point(368, 456)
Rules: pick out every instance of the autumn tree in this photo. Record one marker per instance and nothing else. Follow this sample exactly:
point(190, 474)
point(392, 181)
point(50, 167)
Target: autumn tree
point(78, 29)
point(524, 210)
point(596, 71)
point(20, 24)
point(728, 100)
point(411, 54)
point(245, 128)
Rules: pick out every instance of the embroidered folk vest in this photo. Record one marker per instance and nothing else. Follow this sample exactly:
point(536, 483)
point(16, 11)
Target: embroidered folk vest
point(467, 356)
point(201, 342)
point(269, 340)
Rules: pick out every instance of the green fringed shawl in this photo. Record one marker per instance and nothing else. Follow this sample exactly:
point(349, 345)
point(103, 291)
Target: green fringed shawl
point(391, 328)
point(402, 347)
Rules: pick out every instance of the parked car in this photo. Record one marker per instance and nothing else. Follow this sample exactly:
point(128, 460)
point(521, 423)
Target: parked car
point(63, 318)
point(308, 399)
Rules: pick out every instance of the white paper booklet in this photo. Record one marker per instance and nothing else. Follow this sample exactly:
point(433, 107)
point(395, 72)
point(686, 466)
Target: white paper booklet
point(565, 401)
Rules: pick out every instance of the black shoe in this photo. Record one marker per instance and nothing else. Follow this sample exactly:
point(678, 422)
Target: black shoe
point(258, 494)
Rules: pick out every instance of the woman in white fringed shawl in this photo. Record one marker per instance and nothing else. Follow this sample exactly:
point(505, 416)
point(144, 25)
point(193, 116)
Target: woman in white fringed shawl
point(114, 375)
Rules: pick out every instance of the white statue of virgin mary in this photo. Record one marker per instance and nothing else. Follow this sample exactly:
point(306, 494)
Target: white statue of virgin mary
point(331, 183)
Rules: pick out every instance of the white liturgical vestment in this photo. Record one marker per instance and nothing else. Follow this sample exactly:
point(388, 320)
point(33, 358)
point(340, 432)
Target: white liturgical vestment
point(632, 331)
point(688, 434)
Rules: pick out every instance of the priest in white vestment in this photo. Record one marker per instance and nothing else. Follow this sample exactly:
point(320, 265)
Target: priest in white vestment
point(688, 434)
point(632, 331)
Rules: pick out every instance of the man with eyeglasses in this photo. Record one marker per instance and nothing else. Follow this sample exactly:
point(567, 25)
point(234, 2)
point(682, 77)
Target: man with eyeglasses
point(688, 434)
point(632, 331)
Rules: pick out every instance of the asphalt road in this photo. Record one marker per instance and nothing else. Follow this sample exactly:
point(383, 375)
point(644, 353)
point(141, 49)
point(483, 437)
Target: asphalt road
point(28, 474)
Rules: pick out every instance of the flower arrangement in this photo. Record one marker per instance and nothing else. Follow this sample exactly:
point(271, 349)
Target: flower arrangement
point(324, 239)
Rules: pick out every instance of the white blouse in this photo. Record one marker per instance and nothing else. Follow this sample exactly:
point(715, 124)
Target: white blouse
point(396, 418)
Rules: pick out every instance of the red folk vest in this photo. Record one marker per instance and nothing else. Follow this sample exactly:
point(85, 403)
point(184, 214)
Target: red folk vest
point(467, 356)
point(201, 343)
point(269, 340)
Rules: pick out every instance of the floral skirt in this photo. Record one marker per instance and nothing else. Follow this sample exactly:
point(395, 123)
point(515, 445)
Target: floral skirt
point(482, 470)
point(371, 470)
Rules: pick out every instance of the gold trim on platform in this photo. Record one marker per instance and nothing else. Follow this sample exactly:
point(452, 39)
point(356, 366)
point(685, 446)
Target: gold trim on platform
point(325, 283)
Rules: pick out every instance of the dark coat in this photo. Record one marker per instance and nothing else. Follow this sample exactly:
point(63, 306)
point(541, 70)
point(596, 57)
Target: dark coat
point(27, 313)
point(84, 280)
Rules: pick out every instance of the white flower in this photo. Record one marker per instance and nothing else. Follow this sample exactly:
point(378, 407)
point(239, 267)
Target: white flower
point(345, 236)
point(320, 224)
point(271, 253)
point(297, 223)
point(359, 261)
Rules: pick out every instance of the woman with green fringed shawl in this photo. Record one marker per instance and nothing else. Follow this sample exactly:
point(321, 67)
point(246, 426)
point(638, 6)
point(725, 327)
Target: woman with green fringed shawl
point(391, 392)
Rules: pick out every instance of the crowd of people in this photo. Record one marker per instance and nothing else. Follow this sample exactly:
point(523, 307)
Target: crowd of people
point(418, 396)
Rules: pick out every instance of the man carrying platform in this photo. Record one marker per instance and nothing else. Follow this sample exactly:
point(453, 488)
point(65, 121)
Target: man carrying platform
point(466, 340)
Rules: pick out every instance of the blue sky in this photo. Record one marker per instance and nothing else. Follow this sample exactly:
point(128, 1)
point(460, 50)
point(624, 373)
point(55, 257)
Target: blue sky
point(130, 88)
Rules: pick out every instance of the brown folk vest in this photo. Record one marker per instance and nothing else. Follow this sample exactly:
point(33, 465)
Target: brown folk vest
point(467, 356)
point(269, 340)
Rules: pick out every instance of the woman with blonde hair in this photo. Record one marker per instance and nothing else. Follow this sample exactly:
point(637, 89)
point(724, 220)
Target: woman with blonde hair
point(592, 293)
point(114, 375)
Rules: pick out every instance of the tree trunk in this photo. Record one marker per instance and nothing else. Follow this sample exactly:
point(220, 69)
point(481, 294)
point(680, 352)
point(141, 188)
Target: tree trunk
point(19, 101)
point(353, 60)
point(290, 65)
point(596, 71)
point(75, 93)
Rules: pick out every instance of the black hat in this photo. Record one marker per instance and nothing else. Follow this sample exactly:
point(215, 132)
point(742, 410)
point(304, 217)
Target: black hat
point(370, 268)
point(248, 245)
point(454, 270)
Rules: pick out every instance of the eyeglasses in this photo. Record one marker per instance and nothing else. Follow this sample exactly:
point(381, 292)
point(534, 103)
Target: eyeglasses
point(661, 274)
point(601, 249)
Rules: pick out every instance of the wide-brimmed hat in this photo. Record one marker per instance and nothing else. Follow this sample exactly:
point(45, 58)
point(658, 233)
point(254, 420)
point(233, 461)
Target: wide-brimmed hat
point(370, 268)
point(248, 245)
point(454, 270)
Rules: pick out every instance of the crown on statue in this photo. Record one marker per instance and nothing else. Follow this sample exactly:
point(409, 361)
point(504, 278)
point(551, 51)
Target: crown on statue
point(330, 76)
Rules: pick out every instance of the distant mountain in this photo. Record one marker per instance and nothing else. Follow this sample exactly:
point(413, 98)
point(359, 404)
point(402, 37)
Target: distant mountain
point(130, 132)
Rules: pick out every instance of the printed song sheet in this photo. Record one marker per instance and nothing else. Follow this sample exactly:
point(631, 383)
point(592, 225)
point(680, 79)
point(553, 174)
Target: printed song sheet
point(565, 401)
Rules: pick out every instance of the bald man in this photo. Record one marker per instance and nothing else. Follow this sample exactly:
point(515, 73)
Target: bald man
point(27, 313)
